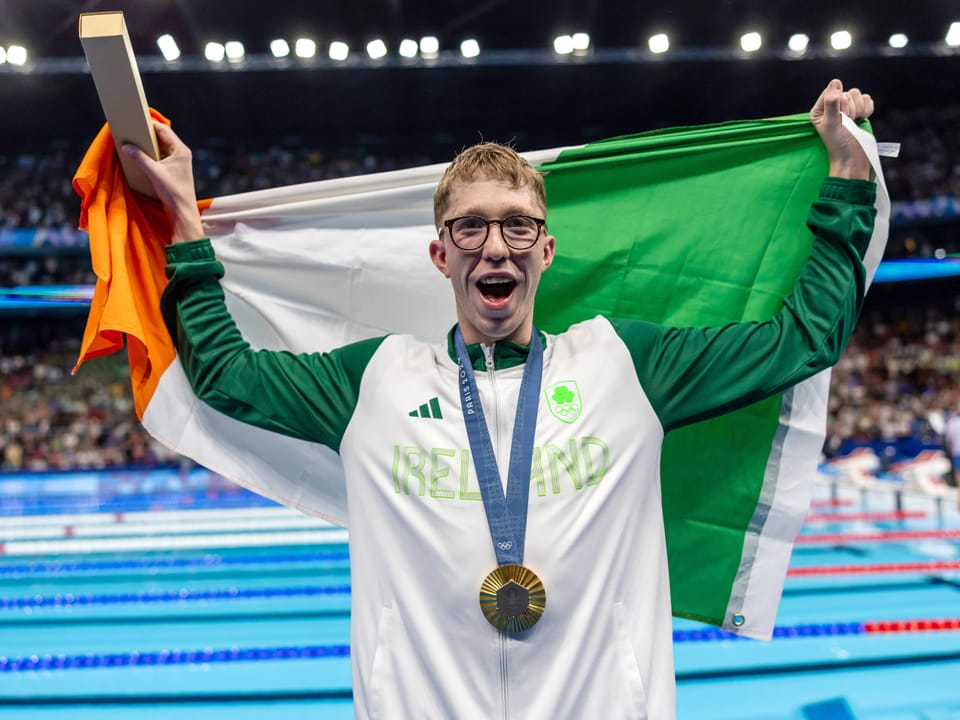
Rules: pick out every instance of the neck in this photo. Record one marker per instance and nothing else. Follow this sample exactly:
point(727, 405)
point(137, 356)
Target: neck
point(472, 335)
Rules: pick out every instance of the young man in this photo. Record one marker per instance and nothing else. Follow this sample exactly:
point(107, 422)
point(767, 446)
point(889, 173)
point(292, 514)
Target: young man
point(523, 603)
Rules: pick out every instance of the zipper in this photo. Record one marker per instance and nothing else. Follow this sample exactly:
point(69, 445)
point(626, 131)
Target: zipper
point(504, 679)
point(502, 638)
point(492, 377)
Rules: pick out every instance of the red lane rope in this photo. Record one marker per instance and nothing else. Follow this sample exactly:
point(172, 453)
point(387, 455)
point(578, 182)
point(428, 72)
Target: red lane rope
point(867, 516)
point(880, 536)
point(830, 503)
point(894, 626)
point(880, 568)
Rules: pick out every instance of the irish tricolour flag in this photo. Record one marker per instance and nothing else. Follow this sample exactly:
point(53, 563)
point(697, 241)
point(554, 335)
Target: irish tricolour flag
point(697, 226)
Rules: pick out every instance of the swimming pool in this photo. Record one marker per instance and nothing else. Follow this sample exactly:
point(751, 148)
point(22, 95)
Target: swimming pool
point(241, 610)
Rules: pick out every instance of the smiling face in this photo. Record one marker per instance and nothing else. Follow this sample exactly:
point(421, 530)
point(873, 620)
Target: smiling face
point(494, 286)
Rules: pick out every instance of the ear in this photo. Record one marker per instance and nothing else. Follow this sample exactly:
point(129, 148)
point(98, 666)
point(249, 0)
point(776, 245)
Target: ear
point(549, 250)
point(438, 255)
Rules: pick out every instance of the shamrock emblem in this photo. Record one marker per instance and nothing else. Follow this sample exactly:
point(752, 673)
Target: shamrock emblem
point(563, 399)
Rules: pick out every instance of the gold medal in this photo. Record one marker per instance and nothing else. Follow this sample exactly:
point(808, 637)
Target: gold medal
point(512, 598)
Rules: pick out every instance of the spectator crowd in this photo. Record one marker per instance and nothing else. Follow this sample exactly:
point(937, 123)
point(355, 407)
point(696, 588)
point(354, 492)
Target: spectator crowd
point(898, 380)
point(54, 421)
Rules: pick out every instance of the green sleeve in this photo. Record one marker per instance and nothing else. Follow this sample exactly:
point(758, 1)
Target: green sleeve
point(690, 374)
point(308, 396)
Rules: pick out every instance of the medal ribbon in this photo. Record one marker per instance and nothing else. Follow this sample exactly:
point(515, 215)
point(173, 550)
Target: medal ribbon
point(506, 516)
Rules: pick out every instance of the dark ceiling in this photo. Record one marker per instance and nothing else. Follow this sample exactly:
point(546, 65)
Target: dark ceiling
point(50, 26)
point(437, 108)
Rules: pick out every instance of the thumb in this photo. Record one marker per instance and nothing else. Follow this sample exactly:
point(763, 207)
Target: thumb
point(827, 107)
point(832, 97)
point(139, 157)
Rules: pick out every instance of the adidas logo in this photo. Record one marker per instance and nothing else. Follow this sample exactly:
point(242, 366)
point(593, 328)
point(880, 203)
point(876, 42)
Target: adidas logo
point(429, 409)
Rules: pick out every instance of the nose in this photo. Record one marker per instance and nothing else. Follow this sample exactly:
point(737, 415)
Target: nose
point(495, 247)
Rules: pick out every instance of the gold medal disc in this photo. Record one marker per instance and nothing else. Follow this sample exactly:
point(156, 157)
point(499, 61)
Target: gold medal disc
point(512, 598)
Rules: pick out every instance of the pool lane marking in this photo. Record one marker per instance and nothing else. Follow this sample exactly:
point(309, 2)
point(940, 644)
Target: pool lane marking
point(881, 516)
point(214, 561)
point(150, 516)
point(935, 566)
point(813, 630)
point(166, 657)
point(86, 661)
point(183, 595)
point(171, 527)
point(816, 503)
point(807, 668)
point(206, 561)
point(69, 701)
point(879, 536)
point(80, 546)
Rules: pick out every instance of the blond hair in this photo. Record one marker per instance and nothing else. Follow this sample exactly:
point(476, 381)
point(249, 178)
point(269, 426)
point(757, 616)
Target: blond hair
point(487, 161)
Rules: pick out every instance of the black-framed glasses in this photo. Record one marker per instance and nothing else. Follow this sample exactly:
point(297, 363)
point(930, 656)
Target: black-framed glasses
point(470, 232)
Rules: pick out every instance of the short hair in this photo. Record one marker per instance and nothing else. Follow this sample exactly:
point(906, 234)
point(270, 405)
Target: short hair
point(487, 161)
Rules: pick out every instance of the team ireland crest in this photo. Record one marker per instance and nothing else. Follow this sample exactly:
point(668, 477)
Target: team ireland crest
point(563, 399)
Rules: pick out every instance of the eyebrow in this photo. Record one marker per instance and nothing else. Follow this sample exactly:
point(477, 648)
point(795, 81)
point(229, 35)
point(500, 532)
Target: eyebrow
point(513, 210)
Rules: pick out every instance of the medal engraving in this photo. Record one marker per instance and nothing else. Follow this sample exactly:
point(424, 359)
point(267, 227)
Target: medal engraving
point(512, 598)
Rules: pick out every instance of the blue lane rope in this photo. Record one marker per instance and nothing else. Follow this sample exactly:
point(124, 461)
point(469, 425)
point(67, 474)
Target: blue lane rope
point(69, 600)
point(35, 663)
point(171, 563)
point(781, 631)
point(86, 661)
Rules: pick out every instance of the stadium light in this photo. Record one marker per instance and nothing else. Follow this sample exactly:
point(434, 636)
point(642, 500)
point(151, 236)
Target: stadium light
point(751, 41)
point(339, 51)
point(3, 55)
point(168, 47)
point(470, 48)
point(305, 48)
point(563, 45)
point(898, 40)
point(280, 48)
point(408, 48)
point(798, 43)
point(234, 50)
point(581, 42)
point(376, 49)
point(429, 47)
point(658, 43)
point(17, 55)
point(214, 52)
point(841, 40)
point(952, 39)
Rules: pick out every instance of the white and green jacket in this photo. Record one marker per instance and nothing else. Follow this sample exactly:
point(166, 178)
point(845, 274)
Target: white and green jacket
point(419, 541)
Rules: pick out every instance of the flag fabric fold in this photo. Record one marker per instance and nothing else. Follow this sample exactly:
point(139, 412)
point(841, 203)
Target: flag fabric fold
point(128, 232)
point(687, 226)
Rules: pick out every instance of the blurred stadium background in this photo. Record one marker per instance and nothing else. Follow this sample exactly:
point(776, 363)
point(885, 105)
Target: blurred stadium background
point(134, 584)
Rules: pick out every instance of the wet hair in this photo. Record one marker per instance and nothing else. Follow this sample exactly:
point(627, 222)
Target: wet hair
point(487, 161)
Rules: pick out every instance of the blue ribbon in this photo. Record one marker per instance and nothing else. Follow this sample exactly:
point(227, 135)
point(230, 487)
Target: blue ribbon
point(506, 515)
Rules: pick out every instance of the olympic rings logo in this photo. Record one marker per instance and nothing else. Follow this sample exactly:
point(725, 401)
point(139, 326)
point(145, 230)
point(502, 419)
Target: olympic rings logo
point(568, 409)
point(505, 545)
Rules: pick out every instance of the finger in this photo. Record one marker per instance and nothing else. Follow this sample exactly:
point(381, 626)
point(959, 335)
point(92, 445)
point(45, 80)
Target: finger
point(167, 141)
point(819, 107)
point(139, 157)
point(867, 105)
point(855, 103)
point(850, 103)
point(832, 101)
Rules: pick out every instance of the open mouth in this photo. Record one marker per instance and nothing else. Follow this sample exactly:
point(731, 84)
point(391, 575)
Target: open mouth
point(496, 288)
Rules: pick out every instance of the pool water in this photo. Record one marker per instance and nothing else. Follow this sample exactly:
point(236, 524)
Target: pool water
point(243, 612)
